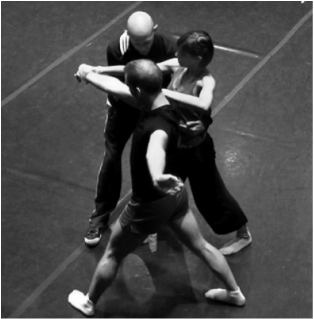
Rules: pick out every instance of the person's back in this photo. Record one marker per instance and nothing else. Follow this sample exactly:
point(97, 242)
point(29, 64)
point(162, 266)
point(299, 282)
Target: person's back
point(164, 118)
point(154, 153)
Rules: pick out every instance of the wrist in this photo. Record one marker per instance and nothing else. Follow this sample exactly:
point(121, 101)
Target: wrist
point(156, 178)
point(98, 69)
point(89, 76)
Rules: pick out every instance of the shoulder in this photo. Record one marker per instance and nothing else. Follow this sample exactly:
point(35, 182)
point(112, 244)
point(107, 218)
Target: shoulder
point(166, 37)
point(168, 113)
point(113, 48)
point(164, 118)
point(167, 40)
point(207, 81)
point(159, 135)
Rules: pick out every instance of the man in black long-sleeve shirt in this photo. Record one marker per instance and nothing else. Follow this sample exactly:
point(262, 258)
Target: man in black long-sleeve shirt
point(145, 42)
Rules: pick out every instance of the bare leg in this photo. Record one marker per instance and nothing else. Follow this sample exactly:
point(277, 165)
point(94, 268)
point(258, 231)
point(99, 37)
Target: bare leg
point(120, 244)
point(188, 232)
point(243, 239)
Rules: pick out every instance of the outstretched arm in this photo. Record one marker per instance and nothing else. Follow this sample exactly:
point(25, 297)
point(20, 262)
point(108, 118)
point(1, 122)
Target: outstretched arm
point(111, 86)
point(110, 70)
point(156, 160)
point(204, 99)
point(106, 83)
point(169, 66)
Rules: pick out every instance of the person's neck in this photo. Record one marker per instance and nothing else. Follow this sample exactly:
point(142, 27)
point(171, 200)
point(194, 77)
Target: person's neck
point(158, 101)
point(195, 72)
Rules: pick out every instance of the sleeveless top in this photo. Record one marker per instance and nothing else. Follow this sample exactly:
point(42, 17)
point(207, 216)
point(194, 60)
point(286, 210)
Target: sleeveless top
point(191, 134)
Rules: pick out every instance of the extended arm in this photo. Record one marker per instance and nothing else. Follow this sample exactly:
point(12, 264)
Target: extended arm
point(110, 70)
point(204, 99)
point(111, 86)
point(169, 66)
point(114, 62)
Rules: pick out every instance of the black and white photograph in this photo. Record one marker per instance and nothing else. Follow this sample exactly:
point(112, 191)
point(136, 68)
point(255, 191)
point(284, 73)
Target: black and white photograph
point(157, 159)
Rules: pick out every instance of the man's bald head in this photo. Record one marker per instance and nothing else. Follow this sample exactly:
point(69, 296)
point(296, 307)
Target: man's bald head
point(141, 29)
point(140, 24)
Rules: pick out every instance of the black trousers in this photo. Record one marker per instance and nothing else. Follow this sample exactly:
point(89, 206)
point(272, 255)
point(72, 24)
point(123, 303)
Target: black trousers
point(211, 196)
point(121, 122)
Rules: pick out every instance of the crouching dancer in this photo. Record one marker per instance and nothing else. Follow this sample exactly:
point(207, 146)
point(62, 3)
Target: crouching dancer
point(158, 195)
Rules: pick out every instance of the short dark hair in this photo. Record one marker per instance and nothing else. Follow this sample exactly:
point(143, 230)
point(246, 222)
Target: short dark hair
point(144, 74)
point(197, 43)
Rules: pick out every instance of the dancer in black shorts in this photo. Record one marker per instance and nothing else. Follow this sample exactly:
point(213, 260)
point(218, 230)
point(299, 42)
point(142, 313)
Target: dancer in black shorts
point(158, 197)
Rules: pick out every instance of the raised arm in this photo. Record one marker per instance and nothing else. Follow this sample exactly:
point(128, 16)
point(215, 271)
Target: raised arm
point(110, 70)
point(106, 83)
point(204, 99)
point(117, 70)
point(169, 66)
point(111, 86)
point(114, 66)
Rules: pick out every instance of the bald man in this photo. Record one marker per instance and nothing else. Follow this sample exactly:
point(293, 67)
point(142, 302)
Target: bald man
point(145, 43)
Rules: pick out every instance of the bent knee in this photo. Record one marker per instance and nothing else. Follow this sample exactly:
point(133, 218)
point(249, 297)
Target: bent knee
point(109, 257)
point(198, 245)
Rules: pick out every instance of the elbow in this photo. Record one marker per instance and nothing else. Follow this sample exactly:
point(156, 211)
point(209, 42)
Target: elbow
point(205, 106)
point(205, 103)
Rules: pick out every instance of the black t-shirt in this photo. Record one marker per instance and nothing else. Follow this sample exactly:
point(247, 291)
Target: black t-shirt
point(163, 48)
point(163, 118)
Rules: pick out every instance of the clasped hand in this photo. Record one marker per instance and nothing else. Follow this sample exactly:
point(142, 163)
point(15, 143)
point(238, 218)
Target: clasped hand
point(83, 70)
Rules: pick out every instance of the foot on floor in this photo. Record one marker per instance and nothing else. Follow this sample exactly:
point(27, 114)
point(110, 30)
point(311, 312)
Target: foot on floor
point(236, 244)
point(93, 235)
point(235, 298)
point(81, 302)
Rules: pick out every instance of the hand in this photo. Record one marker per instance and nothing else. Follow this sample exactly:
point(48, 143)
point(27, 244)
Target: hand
point(194, 125)
point(169, 184)
point(124, 42)
point(83, 70)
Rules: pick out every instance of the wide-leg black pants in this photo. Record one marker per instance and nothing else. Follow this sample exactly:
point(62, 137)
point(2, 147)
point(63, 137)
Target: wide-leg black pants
point(211, 196)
